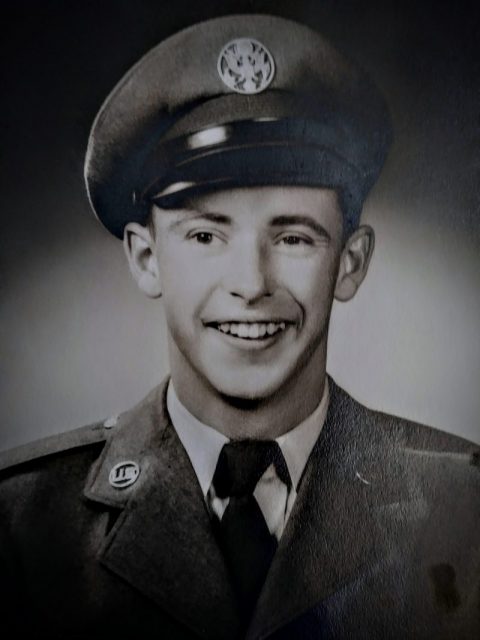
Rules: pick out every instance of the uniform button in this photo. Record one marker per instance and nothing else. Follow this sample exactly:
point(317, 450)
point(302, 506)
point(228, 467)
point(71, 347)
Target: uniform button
point(124, 474)
point(110, 422)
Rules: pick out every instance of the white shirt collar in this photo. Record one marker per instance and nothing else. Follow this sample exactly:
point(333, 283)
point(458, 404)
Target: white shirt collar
point(203, 443)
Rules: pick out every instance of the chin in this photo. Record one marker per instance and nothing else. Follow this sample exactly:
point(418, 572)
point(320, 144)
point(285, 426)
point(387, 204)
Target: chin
point(252, 388)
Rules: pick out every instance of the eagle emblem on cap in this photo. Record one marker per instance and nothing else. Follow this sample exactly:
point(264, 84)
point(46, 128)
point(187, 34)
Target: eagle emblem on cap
point(246, 66)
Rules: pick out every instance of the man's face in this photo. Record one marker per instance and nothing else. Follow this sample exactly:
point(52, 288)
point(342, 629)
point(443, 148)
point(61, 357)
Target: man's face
point(247, 279)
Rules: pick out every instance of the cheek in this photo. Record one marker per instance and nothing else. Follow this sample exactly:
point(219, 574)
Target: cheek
point(311, 281)
point(186, 283)
point(177, 270)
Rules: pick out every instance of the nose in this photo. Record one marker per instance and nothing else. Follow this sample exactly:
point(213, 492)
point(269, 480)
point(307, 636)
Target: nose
point(249, 274)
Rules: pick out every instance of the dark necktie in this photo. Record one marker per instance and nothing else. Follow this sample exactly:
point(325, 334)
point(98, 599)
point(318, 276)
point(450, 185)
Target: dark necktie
point(245, 539)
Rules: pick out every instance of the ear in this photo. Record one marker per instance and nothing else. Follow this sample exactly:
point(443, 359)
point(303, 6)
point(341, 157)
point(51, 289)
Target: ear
point(140, 249)
point(354, 263)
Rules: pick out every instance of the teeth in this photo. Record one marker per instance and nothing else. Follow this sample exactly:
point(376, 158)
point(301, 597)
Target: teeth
point(251, 330)
point(243, 330)
point(254, 331)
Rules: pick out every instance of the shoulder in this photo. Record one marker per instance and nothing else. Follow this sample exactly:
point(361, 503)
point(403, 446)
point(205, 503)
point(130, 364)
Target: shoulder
point(82, 439)
point(416, 476)
point(424, 442)
point(437, 456)
point(411, 435)
point(30, 475)
point(56, 465)
point(445, 465)
point(56, 445)
point(62, 463)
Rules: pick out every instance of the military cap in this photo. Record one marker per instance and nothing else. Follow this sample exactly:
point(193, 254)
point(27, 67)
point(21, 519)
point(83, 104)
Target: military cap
point(244, 100)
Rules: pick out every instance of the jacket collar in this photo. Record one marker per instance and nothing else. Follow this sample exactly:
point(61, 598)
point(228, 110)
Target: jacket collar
point(355, 503)
point(163, 543)
point(164, 528)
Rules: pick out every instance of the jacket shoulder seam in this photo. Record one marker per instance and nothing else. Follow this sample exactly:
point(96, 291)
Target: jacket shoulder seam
point(69, 440)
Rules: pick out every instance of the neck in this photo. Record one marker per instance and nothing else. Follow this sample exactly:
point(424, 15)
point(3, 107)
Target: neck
point(262, 419)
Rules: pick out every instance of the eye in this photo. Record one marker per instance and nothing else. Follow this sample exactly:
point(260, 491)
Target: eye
point(206, 238)
point(203, 237)
point(292, 239)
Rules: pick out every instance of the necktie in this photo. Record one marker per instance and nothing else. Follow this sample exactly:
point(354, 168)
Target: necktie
point(246, 542)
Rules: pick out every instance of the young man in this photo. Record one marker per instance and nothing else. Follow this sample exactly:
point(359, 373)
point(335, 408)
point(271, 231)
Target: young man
point(247, 496)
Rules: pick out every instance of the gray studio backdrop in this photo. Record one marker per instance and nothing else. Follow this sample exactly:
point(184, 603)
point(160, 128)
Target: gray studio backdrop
point(79, 342)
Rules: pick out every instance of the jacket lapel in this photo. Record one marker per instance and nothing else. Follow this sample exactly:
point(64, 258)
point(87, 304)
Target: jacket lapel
point(349, 516)
point(163, 542)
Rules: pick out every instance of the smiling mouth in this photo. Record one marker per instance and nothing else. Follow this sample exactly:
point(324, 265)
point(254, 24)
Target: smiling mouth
point(250, 330)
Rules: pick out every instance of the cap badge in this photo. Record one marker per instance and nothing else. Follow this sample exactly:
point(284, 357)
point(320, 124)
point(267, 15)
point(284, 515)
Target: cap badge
point(246, 66)
point(124, 474)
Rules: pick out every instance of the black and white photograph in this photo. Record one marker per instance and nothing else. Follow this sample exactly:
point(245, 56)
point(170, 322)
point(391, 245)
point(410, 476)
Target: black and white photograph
point(240, 320)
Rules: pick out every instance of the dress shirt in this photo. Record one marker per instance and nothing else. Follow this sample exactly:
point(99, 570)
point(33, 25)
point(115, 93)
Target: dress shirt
point(203, 445)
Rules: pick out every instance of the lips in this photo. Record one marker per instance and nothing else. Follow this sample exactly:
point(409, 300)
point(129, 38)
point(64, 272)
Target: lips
point(250, 330)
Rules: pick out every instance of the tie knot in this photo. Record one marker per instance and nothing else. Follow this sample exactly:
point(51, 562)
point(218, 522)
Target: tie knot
point(241, 464)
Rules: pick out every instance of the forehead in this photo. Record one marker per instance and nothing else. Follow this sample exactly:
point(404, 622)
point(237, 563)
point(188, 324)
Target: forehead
point(262, 203)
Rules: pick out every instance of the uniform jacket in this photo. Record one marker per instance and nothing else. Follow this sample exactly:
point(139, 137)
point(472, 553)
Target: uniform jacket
point(383, 540)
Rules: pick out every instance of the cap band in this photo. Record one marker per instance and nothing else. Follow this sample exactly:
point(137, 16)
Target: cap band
point(264, 151)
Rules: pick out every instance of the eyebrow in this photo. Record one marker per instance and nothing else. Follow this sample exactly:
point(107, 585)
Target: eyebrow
point(218, 218)
point(299, 219)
